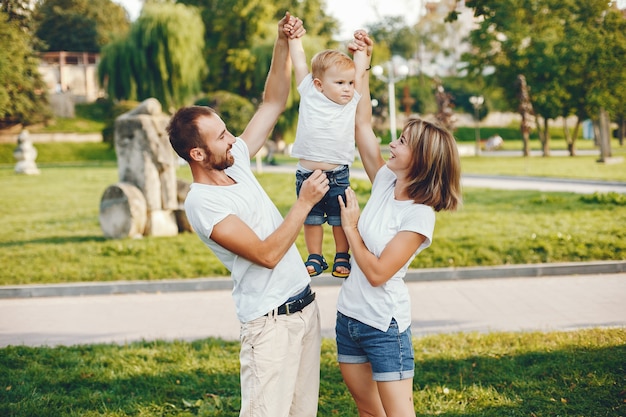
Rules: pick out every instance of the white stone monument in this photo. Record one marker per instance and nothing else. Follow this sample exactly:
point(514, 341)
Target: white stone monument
point(147, 170)
point(25, 154)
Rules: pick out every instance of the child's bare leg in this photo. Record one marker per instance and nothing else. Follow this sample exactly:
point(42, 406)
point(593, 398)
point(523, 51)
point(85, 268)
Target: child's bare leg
point(313, 237)
point(341, 245)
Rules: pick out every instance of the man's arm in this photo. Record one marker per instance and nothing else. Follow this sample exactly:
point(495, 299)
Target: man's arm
point(277, 88)
point(233, 234)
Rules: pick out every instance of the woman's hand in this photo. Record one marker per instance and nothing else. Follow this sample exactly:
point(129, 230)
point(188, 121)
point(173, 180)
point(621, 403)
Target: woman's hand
point(361, 42)
point(350, 211)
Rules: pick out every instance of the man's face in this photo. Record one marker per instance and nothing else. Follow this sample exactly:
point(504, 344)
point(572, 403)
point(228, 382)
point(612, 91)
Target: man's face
point(217, 143)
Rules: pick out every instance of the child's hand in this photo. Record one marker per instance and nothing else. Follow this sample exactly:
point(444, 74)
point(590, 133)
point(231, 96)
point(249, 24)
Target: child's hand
point(294, 28)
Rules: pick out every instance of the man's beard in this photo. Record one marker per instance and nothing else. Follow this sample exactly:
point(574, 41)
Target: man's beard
point(220, 164)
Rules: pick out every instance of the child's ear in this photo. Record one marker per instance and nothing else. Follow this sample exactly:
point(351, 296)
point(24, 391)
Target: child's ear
point(317, 83)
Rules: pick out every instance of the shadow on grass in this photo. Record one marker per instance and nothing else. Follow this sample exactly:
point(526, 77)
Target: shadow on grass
point(201, 378)
point(54, 240)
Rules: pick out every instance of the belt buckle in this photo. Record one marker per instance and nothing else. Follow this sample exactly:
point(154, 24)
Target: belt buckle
point(287, 307)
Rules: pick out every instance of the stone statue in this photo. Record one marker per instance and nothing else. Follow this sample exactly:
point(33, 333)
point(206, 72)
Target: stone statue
point(147, 166)
point(25, 154)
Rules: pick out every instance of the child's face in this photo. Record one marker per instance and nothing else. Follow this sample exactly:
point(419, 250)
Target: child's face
point(337, 84)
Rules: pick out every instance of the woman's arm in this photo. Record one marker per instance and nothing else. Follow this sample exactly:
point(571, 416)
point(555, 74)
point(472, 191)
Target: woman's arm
point(398, 251)
point(366, 140)
point(362, 59)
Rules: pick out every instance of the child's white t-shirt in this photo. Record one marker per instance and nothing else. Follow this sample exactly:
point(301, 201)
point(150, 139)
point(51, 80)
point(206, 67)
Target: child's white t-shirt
point(325, 131)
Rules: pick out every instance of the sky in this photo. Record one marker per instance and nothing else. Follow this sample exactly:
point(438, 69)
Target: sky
point(351, 14)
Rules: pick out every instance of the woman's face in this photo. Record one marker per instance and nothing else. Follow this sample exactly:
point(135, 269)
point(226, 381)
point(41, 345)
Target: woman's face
point(400, 155)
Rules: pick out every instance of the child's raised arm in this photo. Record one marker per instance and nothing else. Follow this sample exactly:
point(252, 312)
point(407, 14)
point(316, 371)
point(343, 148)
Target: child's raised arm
point(296, 51)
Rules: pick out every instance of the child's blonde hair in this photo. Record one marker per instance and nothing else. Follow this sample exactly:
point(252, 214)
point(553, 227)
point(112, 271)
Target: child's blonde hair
point(327, 59)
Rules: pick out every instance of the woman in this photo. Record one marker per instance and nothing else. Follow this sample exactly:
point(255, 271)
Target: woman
point(421, 177)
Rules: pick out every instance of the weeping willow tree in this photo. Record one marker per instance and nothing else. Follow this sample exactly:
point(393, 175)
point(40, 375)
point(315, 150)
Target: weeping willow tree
point(160, 58)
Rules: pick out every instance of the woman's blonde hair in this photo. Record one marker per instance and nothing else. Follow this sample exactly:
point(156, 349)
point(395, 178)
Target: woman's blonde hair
point(435, 172)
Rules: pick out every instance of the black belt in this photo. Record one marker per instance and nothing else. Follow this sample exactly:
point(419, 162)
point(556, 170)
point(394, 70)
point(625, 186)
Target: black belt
point(295, 305)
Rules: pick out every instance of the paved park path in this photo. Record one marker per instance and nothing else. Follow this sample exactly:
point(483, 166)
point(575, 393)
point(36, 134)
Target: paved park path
point(514, 298)
point(564, 302)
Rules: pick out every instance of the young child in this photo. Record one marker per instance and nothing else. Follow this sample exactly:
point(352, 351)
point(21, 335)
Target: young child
point(329, 95)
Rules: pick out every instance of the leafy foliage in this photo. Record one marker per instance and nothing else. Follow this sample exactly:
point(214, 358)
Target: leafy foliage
point(158, 59)
point(235, 109)
point(79, 25)
point(18, 10)
point(605, 198)
point(570, 52)
point(22, 98)
point(239, 37)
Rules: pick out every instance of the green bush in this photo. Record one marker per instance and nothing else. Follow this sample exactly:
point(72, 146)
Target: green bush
point(234, 109)
point(610, 198)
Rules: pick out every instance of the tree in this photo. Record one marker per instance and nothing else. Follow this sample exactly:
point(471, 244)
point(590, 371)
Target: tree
point(232, 28)
point(22, 98)
point(553, 43)
point(79, 25)
point(19, 11)
point(159, 57)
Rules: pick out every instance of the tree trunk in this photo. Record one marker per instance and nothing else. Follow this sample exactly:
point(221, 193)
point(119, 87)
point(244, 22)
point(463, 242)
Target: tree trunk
point(570, 137)
point(526, 139)
point(605, 137)
point(545, 142)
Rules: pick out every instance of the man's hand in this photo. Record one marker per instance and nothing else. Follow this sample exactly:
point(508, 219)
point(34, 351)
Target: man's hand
point(314, 188)
point(290, 27)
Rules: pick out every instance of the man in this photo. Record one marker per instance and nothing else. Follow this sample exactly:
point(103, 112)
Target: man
point(233, 216)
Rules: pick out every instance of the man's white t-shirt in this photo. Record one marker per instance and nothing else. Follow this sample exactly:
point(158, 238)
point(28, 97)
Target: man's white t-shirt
point(382, 218)
point(256, 290)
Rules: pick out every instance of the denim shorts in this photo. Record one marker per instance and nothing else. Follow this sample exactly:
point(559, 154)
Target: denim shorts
point(327, 209)
point(389, 353)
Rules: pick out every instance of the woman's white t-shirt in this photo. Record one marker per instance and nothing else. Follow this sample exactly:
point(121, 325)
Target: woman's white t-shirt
point(382, 218)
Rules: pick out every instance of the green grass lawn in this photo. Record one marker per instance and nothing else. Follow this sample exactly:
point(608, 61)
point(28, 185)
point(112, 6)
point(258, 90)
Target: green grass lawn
point(51, 232)
point(583, 167)
point(581, 373)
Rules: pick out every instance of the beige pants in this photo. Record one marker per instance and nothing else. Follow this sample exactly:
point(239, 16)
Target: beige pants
point(280, 364)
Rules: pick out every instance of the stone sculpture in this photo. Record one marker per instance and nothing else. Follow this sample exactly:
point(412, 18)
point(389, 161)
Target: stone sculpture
point(25, 154)
point(145, 202)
